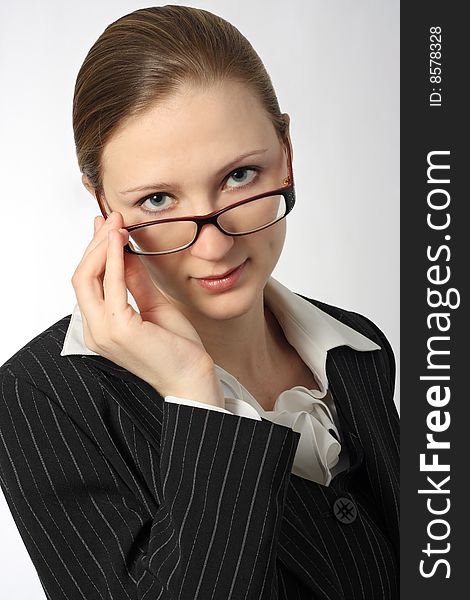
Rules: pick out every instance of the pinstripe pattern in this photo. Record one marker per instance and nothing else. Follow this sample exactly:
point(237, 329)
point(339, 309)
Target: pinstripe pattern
point(118, 494)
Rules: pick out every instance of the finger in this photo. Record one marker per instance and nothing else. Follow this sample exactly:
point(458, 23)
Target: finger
point(87, 282)
point(93, 284)
point(114, 282)
point(88, 277)
point(90, 270)
point(98, 223)
point(90, 299)
point(114, 220)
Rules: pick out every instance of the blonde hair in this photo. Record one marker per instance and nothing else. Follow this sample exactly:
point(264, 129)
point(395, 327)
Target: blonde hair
point(144, 57)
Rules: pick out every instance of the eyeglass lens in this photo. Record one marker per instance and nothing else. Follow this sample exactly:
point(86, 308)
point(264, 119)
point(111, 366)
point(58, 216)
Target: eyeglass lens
point(242, 219)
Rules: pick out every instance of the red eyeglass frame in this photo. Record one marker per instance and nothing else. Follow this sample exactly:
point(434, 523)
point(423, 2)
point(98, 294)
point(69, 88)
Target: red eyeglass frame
point(211, 218)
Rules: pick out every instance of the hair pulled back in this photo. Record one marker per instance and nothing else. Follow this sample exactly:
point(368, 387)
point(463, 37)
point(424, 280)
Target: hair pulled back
point(147, 55)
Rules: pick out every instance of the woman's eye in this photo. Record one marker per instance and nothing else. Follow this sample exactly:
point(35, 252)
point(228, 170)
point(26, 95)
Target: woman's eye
point(158, 202)
point(242, 177)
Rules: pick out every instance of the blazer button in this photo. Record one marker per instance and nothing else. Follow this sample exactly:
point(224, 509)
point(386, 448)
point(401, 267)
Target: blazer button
point(345, 510)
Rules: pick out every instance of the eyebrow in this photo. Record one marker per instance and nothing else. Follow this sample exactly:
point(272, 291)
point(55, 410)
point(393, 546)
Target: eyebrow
point(231, 164)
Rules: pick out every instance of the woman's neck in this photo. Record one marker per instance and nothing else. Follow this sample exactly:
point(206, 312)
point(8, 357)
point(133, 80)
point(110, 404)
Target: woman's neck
point(245, 347)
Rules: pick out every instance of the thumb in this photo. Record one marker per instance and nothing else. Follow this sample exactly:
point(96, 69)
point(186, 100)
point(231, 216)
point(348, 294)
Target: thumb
point(138, 281)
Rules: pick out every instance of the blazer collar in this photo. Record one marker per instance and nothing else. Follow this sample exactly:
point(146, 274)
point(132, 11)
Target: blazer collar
point(310, 330)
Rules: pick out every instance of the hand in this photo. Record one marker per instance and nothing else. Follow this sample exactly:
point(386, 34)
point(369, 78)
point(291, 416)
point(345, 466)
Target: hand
point(159, 345)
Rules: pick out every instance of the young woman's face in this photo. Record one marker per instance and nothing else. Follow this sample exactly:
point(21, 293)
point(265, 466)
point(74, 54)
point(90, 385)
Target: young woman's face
point(186, 153)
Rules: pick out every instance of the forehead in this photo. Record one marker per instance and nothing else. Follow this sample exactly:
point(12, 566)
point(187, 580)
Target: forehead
point(193, 128)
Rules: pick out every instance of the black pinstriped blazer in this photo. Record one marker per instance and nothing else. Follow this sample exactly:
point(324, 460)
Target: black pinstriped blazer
point(120, 495)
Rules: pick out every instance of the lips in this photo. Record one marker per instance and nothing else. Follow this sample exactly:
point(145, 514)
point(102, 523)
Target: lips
point(222, 274)
point(222, 284)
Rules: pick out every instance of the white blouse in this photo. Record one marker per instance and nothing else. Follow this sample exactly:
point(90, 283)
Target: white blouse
point(312, 413)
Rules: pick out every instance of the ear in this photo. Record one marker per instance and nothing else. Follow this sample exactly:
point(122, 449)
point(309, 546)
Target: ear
point(91, 189)
point(87, 184)
point(286, 118)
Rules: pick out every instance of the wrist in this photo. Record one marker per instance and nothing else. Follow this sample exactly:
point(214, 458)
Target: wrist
point(209, 390)
point(205, 388)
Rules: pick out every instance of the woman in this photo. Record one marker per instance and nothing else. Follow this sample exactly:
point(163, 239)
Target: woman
point(215, 435)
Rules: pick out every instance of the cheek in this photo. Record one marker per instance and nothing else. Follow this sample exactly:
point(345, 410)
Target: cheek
point(279, 240)
point(163, 269)
point(271, 240)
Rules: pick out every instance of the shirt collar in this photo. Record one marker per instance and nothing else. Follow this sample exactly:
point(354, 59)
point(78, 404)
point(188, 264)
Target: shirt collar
point(310, 330)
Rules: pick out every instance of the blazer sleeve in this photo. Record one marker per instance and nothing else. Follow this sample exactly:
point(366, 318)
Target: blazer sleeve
point(215, 533)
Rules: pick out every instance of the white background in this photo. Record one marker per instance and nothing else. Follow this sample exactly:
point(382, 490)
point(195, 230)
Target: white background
point(335, 67)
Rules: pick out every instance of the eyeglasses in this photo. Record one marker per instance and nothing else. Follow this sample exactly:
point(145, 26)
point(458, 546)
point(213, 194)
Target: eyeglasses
point(166, 236)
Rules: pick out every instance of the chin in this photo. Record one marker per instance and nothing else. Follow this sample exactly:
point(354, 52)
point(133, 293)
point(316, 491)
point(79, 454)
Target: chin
point(229, 304)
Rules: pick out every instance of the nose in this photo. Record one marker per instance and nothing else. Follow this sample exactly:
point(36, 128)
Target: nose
point(211, 244)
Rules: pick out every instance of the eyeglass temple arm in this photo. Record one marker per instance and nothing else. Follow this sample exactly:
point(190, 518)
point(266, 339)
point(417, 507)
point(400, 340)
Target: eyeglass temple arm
point(289, 180)
point(101, 204)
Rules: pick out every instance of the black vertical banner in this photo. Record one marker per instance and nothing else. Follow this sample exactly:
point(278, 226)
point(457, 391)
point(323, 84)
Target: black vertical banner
point(435, 329)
